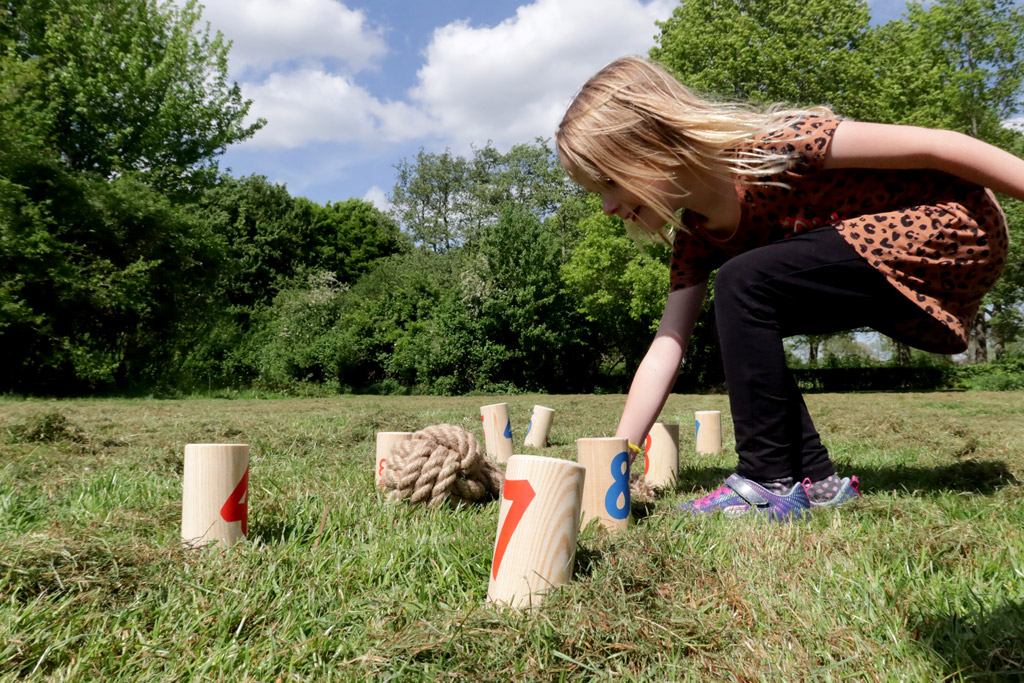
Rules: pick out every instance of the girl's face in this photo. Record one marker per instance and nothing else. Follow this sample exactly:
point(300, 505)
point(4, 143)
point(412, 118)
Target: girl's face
point(619, 201)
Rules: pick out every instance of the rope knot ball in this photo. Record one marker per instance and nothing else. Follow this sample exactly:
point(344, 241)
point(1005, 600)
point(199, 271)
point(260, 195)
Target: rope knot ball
point(441, 463)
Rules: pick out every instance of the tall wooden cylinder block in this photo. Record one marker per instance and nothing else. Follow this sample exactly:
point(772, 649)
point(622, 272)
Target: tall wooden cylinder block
point(606, 493)
point(708, 425)
point(215, 496)
point(538, 523)
point(540, 427)
point(661, 455)
point(497, 431)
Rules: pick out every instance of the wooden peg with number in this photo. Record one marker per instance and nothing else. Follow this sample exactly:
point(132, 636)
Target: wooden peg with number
point(606, 493)
point(535, 546)
point(215, 494)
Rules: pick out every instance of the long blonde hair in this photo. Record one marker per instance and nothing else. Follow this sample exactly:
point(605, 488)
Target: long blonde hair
point(633, 122)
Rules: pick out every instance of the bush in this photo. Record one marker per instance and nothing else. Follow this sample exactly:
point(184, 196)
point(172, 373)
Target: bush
point(1003, 375)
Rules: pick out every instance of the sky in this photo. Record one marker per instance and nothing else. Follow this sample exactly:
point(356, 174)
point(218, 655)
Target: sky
point(349, 88)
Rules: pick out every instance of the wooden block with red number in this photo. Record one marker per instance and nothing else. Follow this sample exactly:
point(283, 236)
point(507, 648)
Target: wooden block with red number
point(215, 494)
point(535, 546)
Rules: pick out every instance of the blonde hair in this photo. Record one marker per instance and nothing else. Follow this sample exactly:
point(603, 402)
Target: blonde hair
point(634, 122)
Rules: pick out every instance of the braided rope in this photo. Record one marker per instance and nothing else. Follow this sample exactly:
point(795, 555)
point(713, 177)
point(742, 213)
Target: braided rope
point(439, 463)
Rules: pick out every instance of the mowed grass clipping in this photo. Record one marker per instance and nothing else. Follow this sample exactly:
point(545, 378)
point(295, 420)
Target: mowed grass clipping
point(922, 579)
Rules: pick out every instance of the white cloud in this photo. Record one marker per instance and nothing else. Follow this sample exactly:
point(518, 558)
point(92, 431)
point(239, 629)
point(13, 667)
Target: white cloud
point(507, 83)
point(312, 105)
point(269, 32)
point(378, 198)
point(512, 82)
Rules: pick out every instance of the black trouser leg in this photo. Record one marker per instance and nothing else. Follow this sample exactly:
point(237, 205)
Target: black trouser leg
point(814, 283)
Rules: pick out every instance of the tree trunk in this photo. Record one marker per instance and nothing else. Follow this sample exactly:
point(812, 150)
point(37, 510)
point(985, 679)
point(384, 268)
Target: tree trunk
point(902, 353)
point(979, 334)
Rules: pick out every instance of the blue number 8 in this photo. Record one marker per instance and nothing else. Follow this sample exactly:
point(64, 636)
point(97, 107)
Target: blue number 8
point(619, 488)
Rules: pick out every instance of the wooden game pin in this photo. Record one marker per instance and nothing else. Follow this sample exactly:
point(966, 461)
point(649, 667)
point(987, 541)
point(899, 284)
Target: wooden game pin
point(661, 455)
point(606, 493)
point(215, 496)
point(540, 427)
point(708, 426)
point(385, 442)
point(497, 431)
point(538, 523)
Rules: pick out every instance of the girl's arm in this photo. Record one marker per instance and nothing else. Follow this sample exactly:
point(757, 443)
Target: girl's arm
point(877, 145)
point(658, 370)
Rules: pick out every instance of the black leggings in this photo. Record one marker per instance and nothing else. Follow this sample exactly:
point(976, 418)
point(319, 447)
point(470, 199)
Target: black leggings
point(812, 283)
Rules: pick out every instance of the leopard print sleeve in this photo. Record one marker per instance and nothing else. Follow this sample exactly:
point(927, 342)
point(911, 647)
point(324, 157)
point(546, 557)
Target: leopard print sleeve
point(805, 140)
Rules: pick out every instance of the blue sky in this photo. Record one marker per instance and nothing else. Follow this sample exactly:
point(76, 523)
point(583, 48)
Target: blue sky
point(351, 87)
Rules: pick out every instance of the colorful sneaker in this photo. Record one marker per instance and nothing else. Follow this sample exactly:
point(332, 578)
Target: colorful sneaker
point(739, 497)
point(848, 490)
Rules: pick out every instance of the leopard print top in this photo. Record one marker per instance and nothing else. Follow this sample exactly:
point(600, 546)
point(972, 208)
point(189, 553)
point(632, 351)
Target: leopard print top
point(939, 240)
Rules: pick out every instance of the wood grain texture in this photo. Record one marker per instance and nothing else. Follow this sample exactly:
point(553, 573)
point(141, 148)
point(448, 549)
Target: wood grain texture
point(538, 524)
point(540, 427)
point(213, 506)
point(385, 442)
point(708, 424)
point(497, 431)
point(661, 451)
point(606, 493)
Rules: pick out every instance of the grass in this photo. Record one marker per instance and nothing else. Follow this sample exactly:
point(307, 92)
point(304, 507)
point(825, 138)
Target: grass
point(923, 579)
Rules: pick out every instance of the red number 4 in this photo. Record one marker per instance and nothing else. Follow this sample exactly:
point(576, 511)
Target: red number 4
point(521, 494)
point(236, 509)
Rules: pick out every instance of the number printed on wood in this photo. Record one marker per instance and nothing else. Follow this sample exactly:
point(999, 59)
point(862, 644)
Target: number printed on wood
point(535, 543)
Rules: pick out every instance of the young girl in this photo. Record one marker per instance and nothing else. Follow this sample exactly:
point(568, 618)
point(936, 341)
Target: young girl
point(815, 225)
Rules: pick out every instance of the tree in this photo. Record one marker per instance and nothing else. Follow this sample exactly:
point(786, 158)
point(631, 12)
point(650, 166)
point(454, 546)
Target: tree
point(129, 86)
point(350, 237)
point(617, 289)
point(445, 201)
point(432, 200)
point(800, 52)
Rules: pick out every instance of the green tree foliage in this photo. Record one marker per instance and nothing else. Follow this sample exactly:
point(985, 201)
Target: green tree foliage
point(93, 277)
point(432, 200)
point(620, 290)
point(519, 298)
point(349, 238)
point(445, 201)
point(800, 52)
point(128, 85)
point(953, 64)
point(276, 245)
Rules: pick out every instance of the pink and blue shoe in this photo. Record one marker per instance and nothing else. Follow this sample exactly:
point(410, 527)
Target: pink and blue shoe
point(848, 489)
point(740, 497)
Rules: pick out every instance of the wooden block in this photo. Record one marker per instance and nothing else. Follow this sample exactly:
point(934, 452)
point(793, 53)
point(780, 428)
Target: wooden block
point(497, 431)
point(661, 455)
point(540, 427)
point(606, 492)
point(538, 523)
point(708, 425)
point(385, 443)
point(215, 496)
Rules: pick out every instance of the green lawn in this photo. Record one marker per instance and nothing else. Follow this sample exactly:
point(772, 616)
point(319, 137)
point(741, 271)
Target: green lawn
point(923, 579)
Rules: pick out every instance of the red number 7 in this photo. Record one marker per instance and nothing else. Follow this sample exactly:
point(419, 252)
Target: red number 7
point(521, 494)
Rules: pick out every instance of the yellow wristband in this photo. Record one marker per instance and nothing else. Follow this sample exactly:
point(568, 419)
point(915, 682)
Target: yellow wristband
point(634, 447)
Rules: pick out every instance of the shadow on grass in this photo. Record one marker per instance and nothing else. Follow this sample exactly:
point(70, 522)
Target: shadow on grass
point(587, 560)
point(972, 476)
point(983, 644)
point(641, 509)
